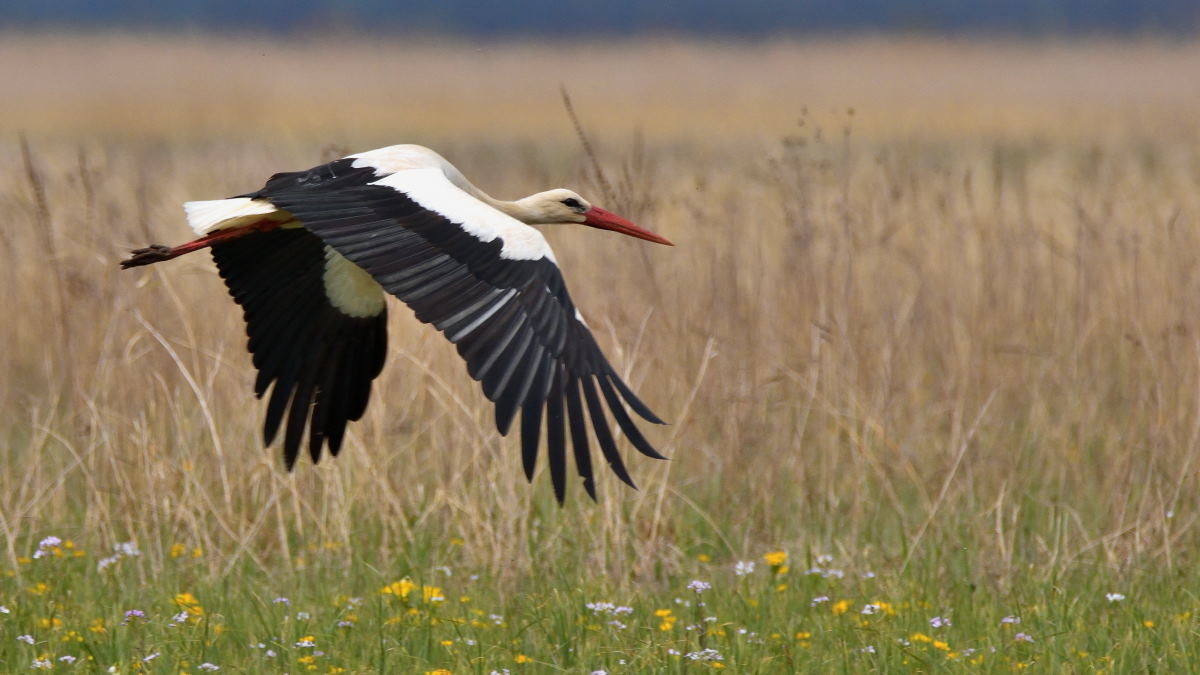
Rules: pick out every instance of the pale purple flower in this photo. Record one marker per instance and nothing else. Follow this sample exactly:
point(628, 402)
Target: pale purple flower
point(818, 600)
point(869, 649)
point(39, 664)
point(939, 622)
point(4, 610)
point(1011, 619)
point(67, 659)
point(345, 624)
point(281, 601)
point(599, 672)
point(49, 541)
point(824, 559)
point(208, 666)
point(1114, 597)
point(1022, 637)
point(673, 652)
point(27, 639)
point(131, 614)
point(868, 575)
point(150, 657)
point(127, 548)
point(697, 586)
point(270, 653)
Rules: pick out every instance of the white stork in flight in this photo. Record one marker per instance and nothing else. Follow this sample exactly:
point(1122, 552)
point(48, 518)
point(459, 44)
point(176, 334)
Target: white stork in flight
point(310, 255)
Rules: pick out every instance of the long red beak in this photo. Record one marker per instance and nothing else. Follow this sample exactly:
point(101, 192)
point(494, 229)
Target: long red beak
point(605, 220)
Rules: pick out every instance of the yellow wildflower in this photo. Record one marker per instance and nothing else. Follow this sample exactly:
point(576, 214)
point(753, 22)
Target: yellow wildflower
point(188, 602)
point(776, 558)
point(335, 670)
point(177, 550)
point(717, 665)
point(197, 551)
point(456, 541)
point(464, 599)
point(400, 589)
point(704, 557)
point(781, 587)
point(920, 637)
point(840, 607)
point(40, 588)
point(97, 626)
point(804, 635)
point(1148, 623)
point(447, 643)
point(432, 594)
point(307, 659)
point(938, 644)
point(439, 671)
point(52, 622)
point(521, 658)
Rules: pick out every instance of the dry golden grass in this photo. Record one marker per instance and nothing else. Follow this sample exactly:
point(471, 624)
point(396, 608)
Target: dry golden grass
point(960, 317)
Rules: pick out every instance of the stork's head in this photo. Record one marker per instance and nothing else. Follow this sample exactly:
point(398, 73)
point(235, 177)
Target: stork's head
point(562, 206)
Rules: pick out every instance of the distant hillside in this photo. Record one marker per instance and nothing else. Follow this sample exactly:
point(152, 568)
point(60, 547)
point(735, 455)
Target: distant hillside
point(566, 18)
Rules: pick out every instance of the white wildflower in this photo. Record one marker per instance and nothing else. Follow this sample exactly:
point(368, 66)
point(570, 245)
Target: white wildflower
point(709, 654)
point(1114, 597)
point(698, 586)
point(743, 567)
point(27, 639)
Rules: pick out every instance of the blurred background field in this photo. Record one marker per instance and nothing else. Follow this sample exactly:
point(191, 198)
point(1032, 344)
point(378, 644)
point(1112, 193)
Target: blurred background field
point(931, 311)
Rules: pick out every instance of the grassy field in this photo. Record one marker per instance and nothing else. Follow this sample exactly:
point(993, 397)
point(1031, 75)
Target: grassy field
point(928, 344)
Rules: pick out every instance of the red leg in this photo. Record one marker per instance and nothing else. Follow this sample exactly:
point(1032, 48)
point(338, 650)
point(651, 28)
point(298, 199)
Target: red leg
point(158, 253)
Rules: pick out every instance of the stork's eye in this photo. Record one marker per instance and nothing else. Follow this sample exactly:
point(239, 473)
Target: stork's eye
point(571, 203)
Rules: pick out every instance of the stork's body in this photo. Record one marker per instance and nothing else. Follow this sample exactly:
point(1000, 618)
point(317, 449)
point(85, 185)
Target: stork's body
point(311, 255)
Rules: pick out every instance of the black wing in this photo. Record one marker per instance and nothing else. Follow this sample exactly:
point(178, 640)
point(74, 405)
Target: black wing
point(321, 361)
point(511, 320)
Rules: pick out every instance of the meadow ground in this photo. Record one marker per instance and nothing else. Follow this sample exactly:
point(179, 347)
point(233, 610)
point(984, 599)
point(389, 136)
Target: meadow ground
point(928, 342)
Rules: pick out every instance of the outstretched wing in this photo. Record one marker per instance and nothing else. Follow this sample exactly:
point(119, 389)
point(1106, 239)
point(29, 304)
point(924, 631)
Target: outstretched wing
point(490, 284)
point(320, 358)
